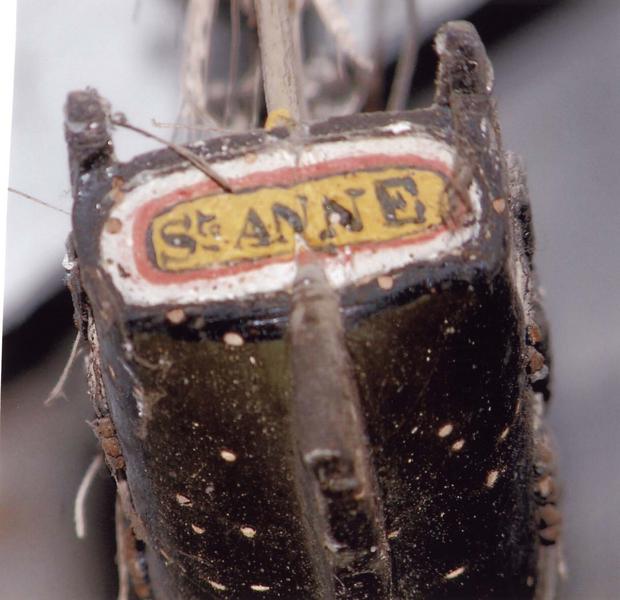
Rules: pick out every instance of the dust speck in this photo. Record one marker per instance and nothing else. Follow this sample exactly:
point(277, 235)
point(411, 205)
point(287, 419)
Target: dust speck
point(455, 573)
point(183, 500)
point(491, 478)
point(228, 456)
point(458, 445)
point(248, 532)
point(215, 585)
point(499, 205)
point(385, 282)
point(233, 339)
point(445, 430)
point(176, 316)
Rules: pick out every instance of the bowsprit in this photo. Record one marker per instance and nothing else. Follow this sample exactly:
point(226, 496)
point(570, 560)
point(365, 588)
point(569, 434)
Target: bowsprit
point(326, 378)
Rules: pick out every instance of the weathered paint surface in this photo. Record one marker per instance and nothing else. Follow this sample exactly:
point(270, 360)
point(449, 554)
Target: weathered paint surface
point(177, 232)
point(339, 418)
point(360, 208)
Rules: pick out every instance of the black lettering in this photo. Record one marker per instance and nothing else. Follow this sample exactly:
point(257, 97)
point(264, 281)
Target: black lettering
point(254, 229)
point(202, 220)
point(171, 236)
point(284, 213)
point(391, 200)
point(336, 214)
point(177, 239)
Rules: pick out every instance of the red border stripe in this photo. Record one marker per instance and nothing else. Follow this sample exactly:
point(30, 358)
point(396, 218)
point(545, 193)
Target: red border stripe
point(285, 175)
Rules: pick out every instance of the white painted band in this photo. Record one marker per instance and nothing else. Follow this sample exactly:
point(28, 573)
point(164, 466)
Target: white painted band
point(346, 268)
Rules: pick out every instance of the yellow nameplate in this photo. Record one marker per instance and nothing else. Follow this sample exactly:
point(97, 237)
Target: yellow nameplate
point(361, 207)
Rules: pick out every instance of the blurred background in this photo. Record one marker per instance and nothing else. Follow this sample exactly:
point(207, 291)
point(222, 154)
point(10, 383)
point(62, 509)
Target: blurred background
point(558, 88)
